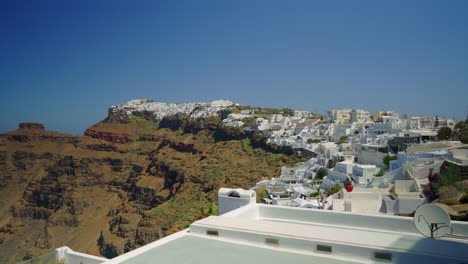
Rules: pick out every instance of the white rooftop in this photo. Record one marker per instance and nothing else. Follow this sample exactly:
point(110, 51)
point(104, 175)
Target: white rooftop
point(435, 146)
point(257, 233)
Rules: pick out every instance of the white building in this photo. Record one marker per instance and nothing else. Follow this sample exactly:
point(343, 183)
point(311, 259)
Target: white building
point(405, 198)
point(458, 156)
point(347, 116)
point(359, 116)
point(363, 174)
point(339, 116)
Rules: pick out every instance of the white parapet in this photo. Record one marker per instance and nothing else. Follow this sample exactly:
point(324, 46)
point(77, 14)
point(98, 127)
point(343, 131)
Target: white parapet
point(68, 256)
point(231, 199)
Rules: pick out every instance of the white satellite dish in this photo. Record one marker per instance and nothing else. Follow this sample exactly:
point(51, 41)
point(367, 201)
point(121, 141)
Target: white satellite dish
point(432, 221)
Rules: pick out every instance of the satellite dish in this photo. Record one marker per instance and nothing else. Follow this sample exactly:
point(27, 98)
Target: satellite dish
point(432, 221)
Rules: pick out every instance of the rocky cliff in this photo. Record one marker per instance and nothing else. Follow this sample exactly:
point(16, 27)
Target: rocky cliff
point(128, 181)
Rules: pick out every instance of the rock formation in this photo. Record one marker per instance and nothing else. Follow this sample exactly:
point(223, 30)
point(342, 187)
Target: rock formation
point(31, 126)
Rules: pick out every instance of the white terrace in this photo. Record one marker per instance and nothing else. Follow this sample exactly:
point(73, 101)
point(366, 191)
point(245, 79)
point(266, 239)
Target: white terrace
point(256, 233)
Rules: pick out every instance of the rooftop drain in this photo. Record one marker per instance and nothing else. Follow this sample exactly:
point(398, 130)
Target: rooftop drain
point(272, 241)
point(324, 248)
point(382, 256)
point(212, 232)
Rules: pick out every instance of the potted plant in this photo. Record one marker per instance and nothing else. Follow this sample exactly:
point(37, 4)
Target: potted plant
point(393, 191)
point(348, 186)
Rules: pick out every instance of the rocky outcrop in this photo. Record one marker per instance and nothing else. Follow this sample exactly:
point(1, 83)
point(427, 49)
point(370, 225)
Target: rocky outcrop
point(32, 212)
point(20, 138)
point(183, 147)
point(190, 125)
point(37, 126)
point(124, 225)
point(146, 234)
point(109, 136)
point(102, 147)
point(3, 156)
point(224, 133)
point(31, 137)
point(43, 239)
point(109, 248)
point(152, 138)
point(35, 131)
point(21, 155)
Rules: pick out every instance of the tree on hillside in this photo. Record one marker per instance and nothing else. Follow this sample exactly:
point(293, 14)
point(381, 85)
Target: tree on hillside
point(444, 133)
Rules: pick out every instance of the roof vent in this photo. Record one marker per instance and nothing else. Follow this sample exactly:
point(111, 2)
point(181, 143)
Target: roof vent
point(383, 256)
point(272, 241)
point(234, 194)
point(212, 232)
point(324, 248)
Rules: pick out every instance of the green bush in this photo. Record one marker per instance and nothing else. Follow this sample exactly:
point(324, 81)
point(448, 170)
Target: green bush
point(386, 160)
point(248, 121)
point(445, 192)
point(261, 193)
point(321, 173)
point(464, 199)
point(213, 210)
point(246, 144)
point(451, 175)
point(334, 189)
point(381, 172)
point(314, 194)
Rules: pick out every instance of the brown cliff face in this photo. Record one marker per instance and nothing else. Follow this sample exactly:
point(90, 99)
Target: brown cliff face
point(109, 136)
point(121, 186)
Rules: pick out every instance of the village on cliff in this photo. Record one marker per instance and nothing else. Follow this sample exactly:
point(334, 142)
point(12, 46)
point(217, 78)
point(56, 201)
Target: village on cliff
point(358, 162)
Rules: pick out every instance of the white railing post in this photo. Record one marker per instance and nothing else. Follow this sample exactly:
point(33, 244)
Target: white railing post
point(61, 252)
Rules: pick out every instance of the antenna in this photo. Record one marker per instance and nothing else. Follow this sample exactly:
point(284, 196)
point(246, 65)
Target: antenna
point(432, 221)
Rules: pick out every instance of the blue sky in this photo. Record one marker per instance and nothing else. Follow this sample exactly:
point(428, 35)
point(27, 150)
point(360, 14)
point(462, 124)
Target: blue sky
point(64, 63)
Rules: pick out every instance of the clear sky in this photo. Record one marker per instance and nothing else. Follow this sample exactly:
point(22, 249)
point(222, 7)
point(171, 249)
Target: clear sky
point(63, 63)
